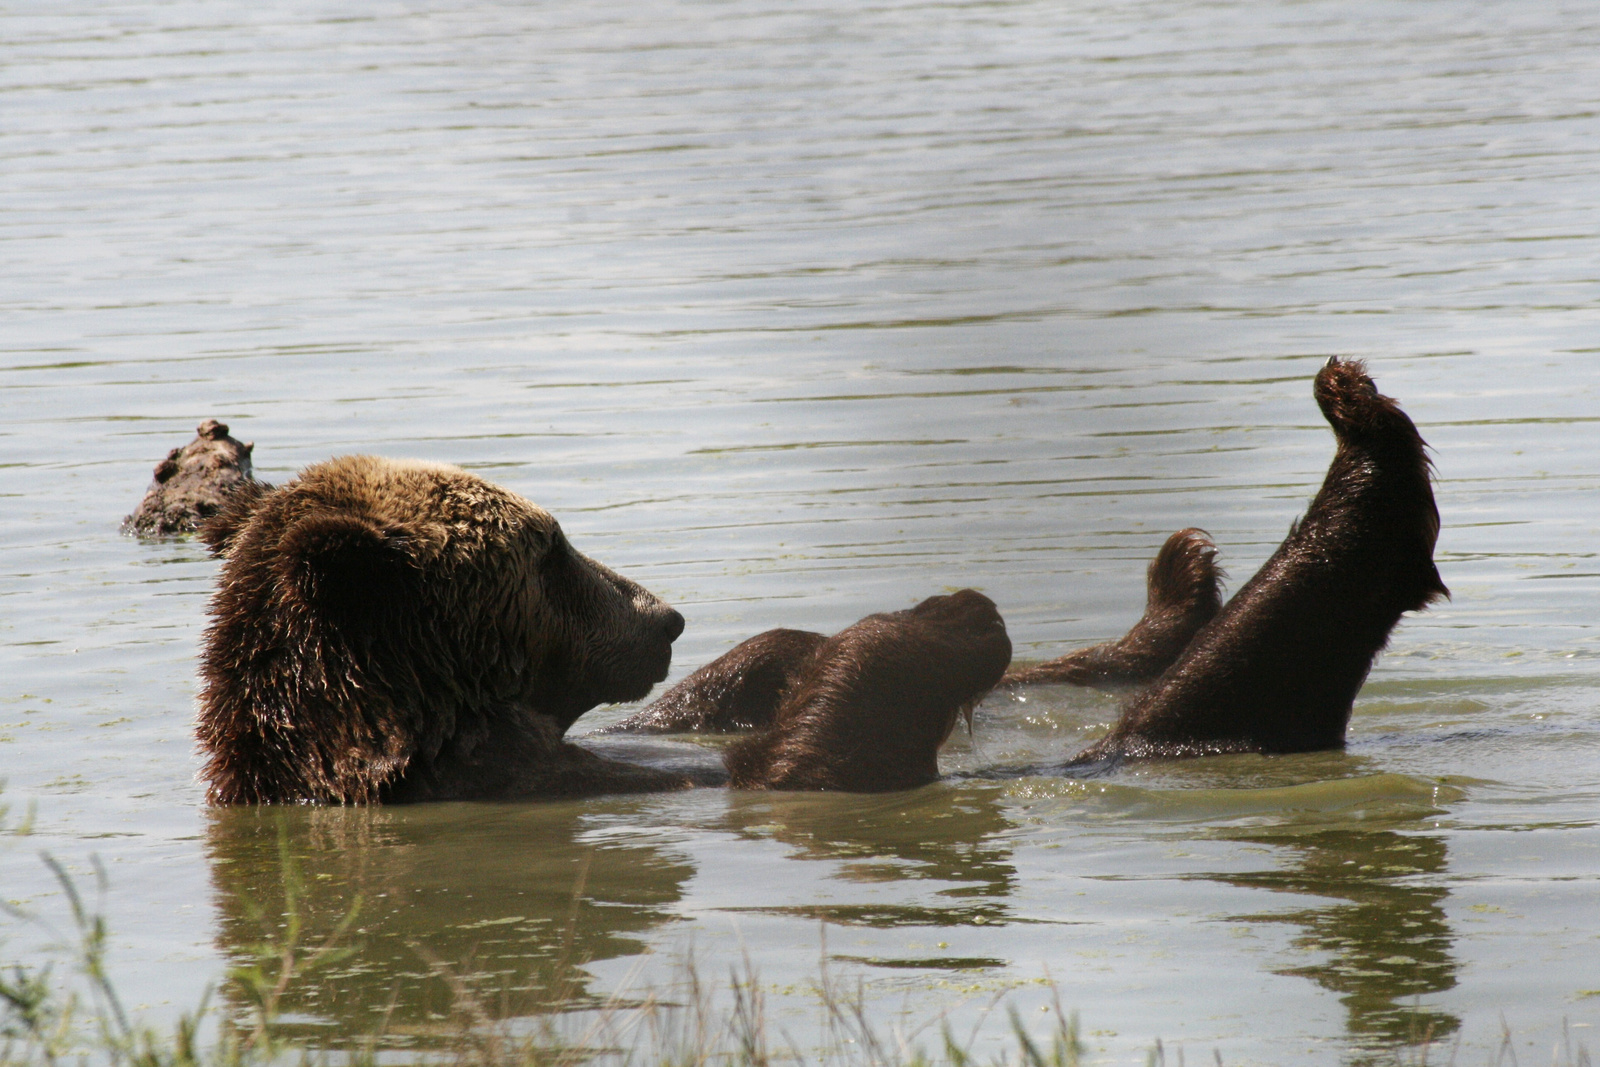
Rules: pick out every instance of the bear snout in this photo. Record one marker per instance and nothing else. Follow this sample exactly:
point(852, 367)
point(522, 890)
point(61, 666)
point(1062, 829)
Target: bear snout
point(672, 625)
point(663, 628)
point(654, 620)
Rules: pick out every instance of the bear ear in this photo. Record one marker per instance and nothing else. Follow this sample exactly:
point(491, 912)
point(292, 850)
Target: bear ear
point(353, 570)
point(237, 508)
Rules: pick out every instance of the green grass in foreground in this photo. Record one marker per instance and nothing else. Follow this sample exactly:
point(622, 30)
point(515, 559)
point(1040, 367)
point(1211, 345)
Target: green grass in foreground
point(44, 1022)
point(41, 1023)
point(47, 1018)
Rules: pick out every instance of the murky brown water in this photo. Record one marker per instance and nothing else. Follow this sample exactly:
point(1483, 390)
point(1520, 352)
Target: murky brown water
point(795, 313)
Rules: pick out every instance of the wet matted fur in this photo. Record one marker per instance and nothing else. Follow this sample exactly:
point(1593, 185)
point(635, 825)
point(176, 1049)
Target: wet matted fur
point(877, 700)
point(394, 630)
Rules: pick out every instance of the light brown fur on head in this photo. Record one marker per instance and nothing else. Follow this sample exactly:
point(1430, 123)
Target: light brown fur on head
point(401, 630)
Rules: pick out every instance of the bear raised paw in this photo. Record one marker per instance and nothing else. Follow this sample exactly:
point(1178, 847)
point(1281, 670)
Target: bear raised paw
point(1278, 669)
point(1183, 593)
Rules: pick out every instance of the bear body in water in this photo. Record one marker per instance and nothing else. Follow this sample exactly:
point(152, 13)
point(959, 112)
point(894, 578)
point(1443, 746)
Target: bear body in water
point(1278, 669)
point(405, 631)
point(1183, 593)
point(191, 484)
point(401, 631)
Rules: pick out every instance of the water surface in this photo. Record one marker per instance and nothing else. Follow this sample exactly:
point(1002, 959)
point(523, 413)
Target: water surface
point(794, 313)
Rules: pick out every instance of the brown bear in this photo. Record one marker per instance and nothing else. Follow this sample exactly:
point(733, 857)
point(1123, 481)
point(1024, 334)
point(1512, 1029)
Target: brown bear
point(389, 630)
point(1184, 592)
point(739, 690)
point(191, 484)
point(876, 701)
point(1279, 668)
point(399, 631)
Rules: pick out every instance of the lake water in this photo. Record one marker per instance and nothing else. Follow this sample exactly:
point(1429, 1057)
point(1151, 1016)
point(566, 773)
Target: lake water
point(795, 312)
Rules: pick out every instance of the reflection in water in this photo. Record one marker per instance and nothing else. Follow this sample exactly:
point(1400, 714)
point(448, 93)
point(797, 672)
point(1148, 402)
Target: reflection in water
point(511, 898)
point(937, 834)
point(1387, 941)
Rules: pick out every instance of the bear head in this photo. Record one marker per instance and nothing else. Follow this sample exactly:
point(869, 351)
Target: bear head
point(374, 615)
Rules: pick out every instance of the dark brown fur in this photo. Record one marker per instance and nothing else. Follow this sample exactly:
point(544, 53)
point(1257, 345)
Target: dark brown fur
point(192, 483)
point(388, 630)
point(1279, 668)
point(877, 700)
point(1184, 587)
point(738, 691)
